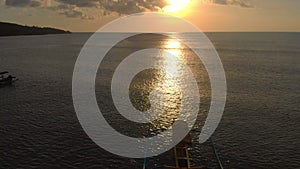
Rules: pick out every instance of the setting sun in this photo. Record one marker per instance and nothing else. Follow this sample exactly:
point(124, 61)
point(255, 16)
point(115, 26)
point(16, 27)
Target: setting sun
point(176, 5)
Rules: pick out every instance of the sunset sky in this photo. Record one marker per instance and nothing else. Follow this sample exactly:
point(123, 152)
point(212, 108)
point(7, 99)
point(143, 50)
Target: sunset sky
point(208, 15)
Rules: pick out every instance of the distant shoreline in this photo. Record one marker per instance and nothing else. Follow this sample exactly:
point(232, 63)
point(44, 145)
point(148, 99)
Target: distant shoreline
point(12, 29)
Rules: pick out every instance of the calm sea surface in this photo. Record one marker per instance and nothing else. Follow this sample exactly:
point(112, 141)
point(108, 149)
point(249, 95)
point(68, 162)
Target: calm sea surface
point(259, 129)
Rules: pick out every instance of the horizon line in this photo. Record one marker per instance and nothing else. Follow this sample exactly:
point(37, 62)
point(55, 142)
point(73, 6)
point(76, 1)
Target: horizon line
point(203, 32)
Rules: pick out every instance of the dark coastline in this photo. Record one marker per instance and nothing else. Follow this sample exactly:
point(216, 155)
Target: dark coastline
point(11, 29)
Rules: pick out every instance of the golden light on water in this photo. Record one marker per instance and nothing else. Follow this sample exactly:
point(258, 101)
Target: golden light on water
point(171, 58)
point(169, 85)
point(176, 6)
point(172, 44)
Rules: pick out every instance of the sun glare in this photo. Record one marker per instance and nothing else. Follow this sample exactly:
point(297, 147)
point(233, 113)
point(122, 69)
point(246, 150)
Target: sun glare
point(176, 6)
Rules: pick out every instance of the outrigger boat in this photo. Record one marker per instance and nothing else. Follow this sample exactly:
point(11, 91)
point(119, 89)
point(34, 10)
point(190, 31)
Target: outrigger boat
point(6, 79)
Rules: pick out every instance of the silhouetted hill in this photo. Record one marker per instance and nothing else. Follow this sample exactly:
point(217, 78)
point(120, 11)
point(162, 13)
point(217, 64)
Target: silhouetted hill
point(11, 29)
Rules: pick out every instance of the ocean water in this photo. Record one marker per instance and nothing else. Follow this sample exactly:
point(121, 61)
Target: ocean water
point(259, 129)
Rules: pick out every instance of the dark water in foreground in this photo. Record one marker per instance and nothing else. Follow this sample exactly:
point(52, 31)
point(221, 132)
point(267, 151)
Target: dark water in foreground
point(259, 128)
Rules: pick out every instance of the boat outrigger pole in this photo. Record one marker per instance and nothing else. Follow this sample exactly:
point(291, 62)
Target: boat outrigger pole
point(215, 152)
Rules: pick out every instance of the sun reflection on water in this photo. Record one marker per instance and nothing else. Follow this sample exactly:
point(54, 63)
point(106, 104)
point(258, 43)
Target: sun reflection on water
point(170, 77)
point(171, 58)
point(163, 86)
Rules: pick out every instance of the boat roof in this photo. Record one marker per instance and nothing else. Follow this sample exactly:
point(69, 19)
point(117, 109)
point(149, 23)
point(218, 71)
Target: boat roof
point(2, 73)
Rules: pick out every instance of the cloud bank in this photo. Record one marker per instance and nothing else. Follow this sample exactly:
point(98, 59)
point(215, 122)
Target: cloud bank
point(22, 3)
point(241, 3)
point(91, 9)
